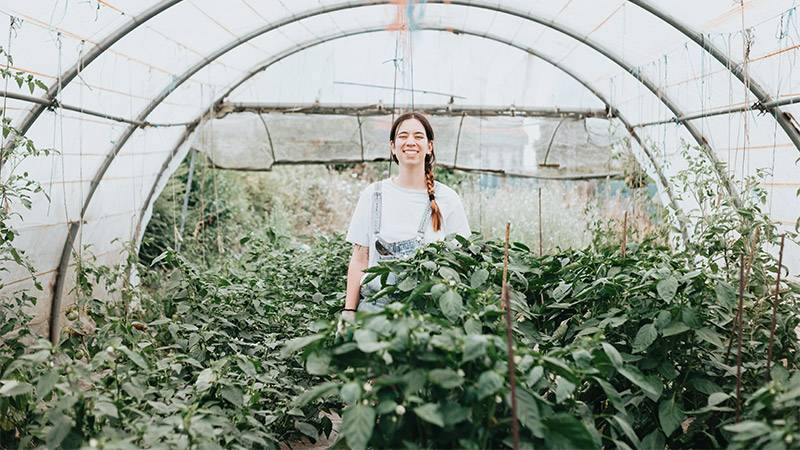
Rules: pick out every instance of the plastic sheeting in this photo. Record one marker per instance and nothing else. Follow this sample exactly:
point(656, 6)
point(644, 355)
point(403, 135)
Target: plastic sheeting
point(171, 66)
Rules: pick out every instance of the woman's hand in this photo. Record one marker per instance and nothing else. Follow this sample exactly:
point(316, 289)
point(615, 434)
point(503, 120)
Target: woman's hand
point(358, 262)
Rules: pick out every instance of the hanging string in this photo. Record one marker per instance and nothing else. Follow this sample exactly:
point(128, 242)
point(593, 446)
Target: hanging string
point(394, 87)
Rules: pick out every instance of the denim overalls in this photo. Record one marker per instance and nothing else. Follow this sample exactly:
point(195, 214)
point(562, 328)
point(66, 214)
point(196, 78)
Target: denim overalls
point(388, 251)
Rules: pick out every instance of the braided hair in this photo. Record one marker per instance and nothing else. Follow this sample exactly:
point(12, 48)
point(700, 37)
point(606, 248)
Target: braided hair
point(430, 162)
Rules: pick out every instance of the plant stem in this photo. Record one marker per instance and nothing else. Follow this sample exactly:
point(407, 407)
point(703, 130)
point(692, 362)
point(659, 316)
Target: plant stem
point(541, 246)
point(739, 351)
point(624, 247)
point(775, 305)
point(509, 343)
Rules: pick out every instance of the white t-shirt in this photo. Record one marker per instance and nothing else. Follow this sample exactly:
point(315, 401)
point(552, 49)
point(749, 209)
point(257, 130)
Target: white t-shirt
point(401, 213)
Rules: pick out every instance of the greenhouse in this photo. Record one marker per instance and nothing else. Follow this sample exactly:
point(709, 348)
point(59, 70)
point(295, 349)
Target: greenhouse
point(192, 249)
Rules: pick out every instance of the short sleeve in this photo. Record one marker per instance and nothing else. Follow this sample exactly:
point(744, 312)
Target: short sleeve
point(358, 232)
point(456, 221)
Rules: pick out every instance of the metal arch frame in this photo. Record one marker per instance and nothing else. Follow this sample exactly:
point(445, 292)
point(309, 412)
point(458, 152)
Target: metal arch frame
point(764, 98)
point(73, 226)
point(210, 112)
point(70, 74)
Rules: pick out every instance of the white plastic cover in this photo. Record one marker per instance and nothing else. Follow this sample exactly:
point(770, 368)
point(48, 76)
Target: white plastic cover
point(479, 52)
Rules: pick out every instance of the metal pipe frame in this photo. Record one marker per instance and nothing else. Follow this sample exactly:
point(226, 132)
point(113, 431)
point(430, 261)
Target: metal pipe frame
point(56, 104)
point(738, 70)
point(431, 110)
point(498, 172)
point(212, 111)
point(758, 106)
point(61, 271)
point(71, 73)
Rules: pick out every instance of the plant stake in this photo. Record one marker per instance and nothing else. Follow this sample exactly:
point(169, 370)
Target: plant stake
point(775, 305)
point(739, 351)
point(623, 249)
point(511, 368)
point(540, 224)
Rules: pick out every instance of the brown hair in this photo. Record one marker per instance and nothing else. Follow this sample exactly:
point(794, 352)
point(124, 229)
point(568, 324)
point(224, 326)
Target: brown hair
point(430, 162)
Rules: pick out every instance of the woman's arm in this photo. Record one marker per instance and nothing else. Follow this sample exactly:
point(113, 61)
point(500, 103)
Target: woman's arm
point(358, 262)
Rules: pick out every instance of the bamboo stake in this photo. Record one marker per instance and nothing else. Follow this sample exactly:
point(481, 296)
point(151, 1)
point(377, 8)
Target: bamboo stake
point(739, 351)
point(624, 248)
point(775, 306)
point(541, 248)
point(509, 343)
point(737, 321)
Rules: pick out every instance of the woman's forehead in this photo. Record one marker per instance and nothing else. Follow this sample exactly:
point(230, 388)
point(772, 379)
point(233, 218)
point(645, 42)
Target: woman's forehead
point(411, 126)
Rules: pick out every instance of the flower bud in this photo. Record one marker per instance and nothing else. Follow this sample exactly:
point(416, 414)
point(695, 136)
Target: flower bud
point(399, 410)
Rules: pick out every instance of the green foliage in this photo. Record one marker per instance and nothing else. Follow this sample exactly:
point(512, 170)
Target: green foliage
point(196, 365)
point(611, 351)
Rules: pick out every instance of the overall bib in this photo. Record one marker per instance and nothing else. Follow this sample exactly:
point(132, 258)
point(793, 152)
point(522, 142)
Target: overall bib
point(388, 251)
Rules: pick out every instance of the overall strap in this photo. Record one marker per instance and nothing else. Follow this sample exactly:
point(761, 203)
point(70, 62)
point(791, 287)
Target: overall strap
point(426, 216)
point(377, 205)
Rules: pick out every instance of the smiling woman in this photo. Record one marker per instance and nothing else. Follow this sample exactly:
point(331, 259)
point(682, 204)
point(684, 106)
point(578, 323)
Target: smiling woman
point(396, 216)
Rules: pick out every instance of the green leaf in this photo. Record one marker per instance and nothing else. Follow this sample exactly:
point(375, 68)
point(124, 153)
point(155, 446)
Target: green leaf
point(102, 409)
point(306, 429)
point(748, 429)
point(351, 393)
point(488, 383)
point(535, 375)
point(654, 441)
point(61, 427)
point(626, 428)
point(710, 336)
point(528, 412)
point(565, 432)
point(669, 415)
point(563, 389)
point(472, 326)
point(451, 305)
point(46, 383)
point(644, 337)
point(408, 284)
point(611, 394)
point(299, 343)
point(474, 347)
point(717, 397)
point(667, 288)
point(357, 424)
point(13, 388)
point(430, 413)
point(205, 379)
point(367, 341)
point(449, 274)
point(478, 278)
point(675, 328)
point(446, 378)
point(318, 391)
point(233, 395)
point(613, 354)
point(318, 363)
point(135, 357)
point(652, 387)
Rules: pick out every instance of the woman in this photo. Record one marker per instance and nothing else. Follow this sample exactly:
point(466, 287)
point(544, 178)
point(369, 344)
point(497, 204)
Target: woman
point(395, 216)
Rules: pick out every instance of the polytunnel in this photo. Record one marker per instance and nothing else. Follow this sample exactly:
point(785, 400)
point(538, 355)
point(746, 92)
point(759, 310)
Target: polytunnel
point(118, 95)
point(131, 88)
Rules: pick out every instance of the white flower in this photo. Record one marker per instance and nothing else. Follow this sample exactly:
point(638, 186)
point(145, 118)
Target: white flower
point(399, 410)
point(93, 443)
point(497, 399)
point(365, 402)
point(367, 387)
point(460, 372)
point(517, 359)
point(110, 349)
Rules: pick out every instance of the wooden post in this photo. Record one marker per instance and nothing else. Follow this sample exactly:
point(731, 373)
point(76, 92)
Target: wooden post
point(775, 306)
point(510, 344)
point(541, 247)
point(739, 335)
point(624, 247)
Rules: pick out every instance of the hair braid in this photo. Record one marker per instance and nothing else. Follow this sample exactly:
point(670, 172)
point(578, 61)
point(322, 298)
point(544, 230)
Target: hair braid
point(436, 213)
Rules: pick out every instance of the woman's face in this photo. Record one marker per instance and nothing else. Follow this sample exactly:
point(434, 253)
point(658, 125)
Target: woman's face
point(411, 144)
